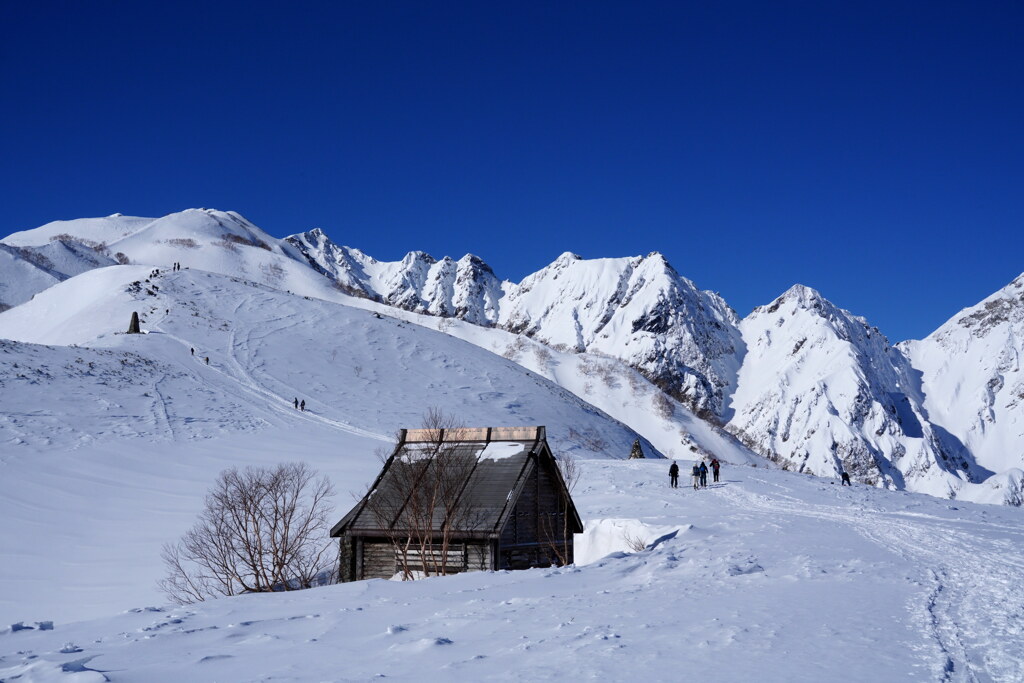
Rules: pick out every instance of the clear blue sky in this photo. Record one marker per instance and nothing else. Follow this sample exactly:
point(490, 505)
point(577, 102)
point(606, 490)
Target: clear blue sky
point(874, 151)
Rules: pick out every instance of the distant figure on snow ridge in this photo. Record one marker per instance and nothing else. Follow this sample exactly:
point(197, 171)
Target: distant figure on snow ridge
point(703, 474)
point(296, 404)
point(696, 476)
point(715, 465)
point(302, 405)
point(846, 479)
point(673, 475)
point(193, 350)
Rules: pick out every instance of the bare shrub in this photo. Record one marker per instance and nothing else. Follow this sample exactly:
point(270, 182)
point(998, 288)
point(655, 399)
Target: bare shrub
point(185, 242)
point(515, 349)
point(99, 247)
point(543, 356)
point(245, 241)
point(636, 381)
point(261, 530)
point(587, 367)
point(226, 244)
point(273, 273)
point(588, 440)
point(35, 258)
point(663, 406)
point(637, 544)
point(609, 375)
point(122, 258)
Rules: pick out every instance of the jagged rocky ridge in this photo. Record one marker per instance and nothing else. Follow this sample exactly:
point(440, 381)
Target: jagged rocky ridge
point(637, 309)
point(800, 380)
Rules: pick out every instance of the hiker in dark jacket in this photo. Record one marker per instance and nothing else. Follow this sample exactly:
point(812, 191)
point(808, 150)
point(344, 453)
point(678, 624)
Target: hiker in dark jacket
point(703, 474)
point(302, 405)
point(296, 404)
point(696, 476)
point(715, 465)
point(673, 475)
point(846, 479)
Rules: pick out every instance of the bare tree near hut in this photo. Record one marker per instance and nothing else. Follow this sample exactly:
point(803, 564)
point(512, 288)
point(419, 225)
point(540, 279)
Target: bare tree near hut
point(261, 530)
point(423, 505)
point(556, 528)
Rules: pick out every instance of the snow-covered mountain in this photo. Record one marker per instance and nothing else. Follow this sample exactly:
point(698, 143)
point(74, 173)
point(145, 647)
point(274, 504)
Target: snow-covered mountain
point(108, 442)
point(466, 289)
point(801, 381)
point(639, 310)
point(970, 378)
point(824, 392)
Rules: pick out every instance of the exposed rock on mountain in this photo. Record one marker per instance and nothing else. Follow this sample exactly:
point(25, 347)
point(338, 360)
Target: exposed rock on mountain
point(799, 380)
point(824, 392)
point(971, 381)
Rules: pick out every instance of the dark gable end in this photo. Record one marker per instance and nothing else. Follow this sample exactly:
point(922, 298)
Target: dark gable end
point(509, 495)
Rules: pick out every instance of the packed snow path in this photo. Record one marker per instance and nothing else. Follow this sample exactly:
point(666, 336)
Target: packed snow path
point(767, 576)
point(975, 601)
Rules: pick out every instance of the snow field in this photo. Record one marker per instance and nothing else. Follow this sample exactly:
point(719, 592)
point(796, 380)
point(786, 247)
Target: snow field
point(771, 576)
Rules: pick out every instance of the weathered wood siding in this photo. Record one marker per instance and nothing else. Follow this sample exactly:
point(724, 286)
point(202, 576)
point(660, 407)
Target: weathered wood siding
point(536, 523)
point(370, 558)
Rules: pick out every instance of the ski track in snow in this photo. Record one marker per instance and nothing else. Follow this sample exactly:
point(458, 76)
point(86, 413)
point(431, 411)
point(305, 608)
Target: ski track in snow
point(974, 609)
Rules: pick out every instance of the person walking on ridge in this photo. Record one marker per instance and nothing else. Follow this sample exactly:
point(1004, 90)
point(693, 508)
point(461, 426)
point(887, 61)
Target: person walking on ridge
point(846, 479)
point(673, 475)
point(296, 403)
point(703, 474)
point(715, 465)
point(696, 476)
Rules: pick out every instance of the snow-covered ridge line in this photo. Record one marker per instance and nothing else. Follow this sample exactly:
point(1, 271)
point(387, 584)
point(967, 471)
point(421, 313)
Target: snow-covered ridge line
point(799, 380)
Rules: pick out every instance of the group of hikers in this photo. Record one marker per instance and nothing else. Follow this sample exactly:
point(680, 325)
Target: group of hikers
point(699, 472)
point(176, 266)
point(300, 405)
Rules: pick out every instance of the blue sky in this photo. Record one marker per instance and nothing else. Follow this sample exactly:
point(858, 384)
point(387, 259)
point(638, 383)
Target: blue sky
point(874, 151)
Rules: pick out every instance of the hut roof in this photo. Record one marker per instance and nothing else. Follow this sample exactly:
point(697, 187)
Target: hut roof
point(480, 472)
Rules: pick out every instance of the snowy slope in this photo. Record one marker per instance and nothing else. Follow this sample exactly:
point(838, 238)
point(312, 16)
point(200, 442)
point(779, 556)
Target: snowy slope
point(824, 392)
point(769, 576)
point(846, 399)
point(971, 379)
point(26, 271)
point(114, 441)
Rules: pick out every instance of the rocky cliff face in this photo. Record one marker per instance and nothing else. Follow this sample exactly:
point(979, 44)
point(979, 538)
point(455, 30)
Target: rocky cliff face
point(466, 289)
point(639, 310)
point(824, 392)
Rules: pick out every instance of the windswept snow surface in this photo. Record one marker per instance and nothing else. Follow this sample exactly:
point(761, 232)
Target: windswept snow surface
point(767, 576)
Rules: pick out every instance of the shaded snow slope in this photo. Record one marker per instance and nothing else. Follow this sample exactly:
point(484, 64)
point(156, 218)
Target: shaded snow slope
point(769, 576)
point(26, 271)
point(971, 379)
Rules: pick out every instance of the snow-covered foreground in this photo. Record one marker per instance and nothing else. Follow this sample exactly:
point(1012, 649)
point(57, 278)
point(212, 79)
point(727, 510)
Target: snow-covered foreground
point(767, 576)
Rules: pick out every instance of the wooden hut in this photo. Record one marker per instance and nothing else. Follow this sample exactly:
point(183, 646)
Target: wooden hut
point(448, 501)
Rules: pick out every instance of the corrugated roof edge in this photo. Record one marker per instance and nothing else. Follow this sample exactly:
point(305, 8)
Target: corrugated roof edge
point(536, 433)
